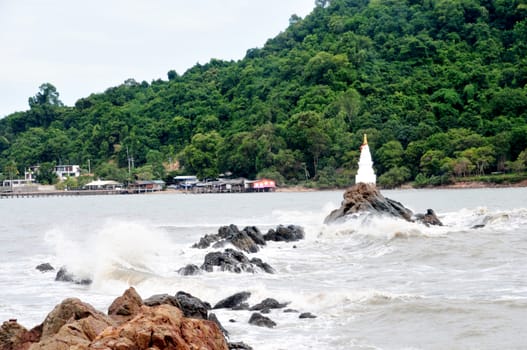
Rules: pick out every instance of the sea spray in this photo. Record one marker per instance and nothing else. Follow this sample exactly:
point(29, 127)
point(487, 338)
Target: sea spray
point(118, 250)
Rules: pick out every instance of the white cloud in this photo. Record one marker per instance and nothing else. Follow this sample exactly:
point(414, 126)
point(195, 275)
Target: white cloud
point(86, 47)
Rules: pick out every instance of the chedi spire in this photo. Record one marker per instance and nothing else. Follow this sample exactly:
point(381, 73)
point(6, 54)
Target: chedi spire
point(365, 173)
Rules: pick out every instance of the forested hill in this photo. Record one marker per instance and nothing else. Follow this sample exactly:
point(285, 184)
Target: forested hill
point(439, 86)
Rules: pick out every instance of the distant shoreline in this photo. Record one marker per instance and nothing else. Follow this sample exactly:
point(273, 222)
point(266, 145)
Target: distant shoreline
point(457, 185)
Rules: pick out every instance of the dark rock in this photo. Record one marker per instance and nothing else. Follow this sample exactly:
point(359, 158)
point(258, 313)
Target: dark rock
point(290, 310)
point(262, 265)
point(366, 198)
point(214, 318)
point(191, 306)
point(45, 267)
point(265, 311)
point(285, 234)
point(429, 218)
point(307, 315)
point(64, 275)
point(233, 261)
point(239, 239)
point(246, 240)
point(268, 303)
point(243, 242)
point(206, 241)
point(161, 299)
point(242, 306)
point(255, 234)
point(258, 319)
point(228, 260)
point(189, 270)
point(239, 346)
point(232, 301)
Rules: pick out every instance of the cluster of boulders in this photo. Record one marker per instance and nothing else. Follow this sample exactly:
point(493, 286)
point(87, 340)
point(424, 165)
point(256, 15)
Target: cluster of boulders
point(162, 321)
point(248, 240)
point(366, 198)
point(130, 324)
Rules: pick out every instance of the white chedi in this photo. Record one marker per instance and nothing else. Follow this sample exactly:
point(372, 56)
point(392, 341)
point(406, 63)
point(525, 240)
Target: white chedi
point(365, 173)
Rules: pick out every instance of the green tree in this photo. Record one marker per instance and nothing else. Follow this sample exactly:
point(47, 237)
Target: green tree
point(201, 156)
point(110, 171)
point(11, 170)
point(47, 96)
point(481, 157)
point(431, 162)
point(389, 155)
point(394, 177)
point(155, 160)
point(46, 174)
point(306, 131)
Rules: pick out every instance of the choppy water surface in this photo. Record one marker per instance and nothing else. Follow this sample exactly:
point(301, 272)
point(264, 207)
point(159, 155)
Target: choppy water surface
point(374, 283)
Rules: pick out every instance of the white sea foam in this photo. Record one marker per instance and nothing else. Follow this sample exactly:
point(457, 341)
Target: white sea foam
point(116, 250)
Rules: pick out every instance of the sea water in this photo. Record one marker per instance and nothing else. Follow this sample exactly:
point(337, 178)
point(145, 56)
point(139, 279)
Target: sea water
point(373, 283)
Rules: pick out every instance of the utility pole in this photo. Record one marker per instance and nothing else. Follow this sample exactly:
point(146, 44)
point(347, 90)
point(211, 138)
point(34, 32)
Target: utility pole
point(130, 162)
point(129, 168)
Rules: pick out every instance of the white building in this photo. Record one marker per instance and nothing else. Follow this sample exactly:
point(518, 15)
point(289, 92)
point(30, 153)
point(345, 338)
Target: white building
point(365, 173)
point(65, 171)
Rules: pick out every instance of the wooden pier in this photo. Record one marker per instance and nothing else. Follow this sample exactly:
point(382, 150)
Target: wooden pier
point(37, 194)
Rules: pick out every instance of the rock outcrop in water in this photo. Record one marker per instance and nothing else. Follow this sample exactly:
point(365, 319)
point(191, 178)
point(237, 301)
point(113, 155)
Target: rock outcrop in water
point(64, 275)
point(366, 198)
point(250, 238)
point(234, 261)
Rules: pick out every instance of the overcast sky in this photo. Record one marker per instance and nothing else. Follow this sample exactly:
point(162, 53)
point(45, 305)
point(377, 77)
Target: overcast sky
point(84, 47)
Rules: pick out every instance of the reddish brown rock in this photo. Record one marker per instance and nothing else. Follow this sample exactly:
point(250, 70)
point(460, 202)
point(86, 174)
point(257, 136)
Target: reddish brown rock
point(162, 327)
point(71, 325)
point(125, 307)
point(13, 336)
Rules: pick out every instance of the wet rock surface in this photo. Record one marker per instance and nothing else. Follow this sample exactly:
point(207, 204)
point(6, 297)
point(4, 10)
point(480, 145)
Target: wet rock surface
point(367, 198)
point(260, 320)
point(282, 233)
point(63, 275)
point(189, 270)
point(45, 267)
point(232, 301)
point(268, 303)
point(234, 261)
point(250, 239)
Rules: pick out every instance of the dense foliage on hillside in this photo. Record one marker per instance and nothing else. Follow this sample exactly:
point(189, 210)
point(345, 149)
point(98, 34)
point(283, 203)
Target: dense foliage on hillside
point(439, 86)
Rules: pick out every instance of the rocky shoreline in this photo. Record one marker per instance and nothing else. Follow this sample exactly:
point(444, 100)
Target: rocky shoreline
point(164, 321)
